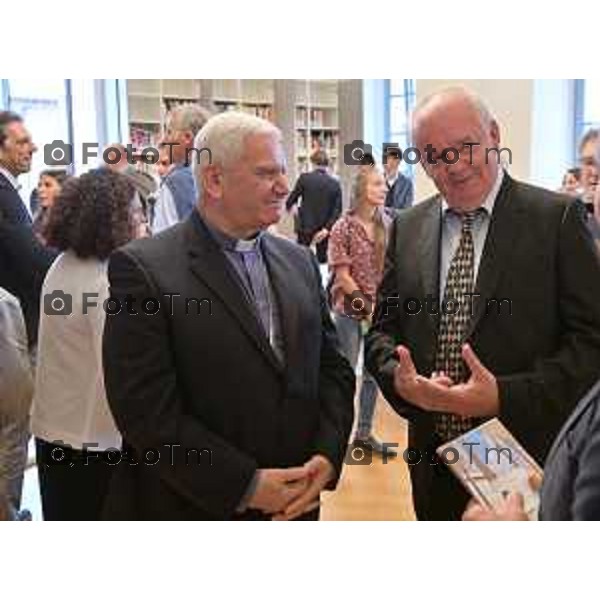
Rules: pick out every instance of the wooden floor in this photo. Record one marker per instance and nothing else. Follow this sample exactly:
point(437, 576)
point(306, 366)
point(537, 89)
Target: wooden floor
point(375, 492)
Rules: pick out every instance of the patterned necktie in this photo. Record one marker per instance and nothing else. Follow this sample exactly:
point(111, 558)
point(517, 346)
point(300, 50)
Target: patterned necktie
point(257, 278)
point(454, 320)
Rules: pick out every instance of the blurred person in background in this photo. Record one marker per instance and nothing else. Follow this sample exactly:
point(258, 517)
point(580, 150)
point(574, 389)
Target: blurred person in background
point(94, 215)
point(400, 192)
point(571, 183)
point(320, 198)
point(48, 189)
point(178, 194)
point(589, 165)
point(24, 261)
point(356, 255)
point(164, 165)
point(16, 389)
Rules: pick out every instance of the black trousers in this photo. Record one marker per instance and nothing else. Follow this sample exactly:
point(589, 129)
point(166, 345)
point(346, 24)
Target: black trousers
point(73, 483)
point(305, 238)
point(437, 495)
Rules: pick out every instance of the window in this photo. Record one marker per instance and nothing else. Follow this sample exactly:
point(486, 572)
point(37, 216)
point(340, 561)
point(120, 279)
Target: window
point(44, 105)
point(587, 106)
point(400, 102)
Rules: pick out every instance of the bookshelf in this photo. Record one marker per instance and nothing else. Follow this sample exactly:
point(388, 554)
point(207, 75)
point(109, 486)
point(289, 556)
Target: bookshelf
point(149, 102)
point(306, 110)
point(316, 121)
point(254, 96)
point(151, 99)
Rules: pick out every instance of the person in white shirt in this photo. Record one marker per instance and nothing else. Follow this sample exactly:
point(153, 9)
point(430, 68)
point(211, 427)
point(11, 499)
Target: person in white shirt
point(177, 195)
point(71, 420)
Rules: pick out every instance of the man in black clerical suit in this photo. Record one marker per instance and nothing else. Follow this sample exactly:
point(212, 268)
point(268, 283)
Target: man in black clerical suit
point(237, 379)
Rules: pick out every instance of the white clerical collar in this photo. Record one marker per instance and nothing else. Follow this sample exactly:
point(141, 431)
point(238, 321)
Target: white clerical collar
point(10, 177)
point(247, 245)
point(490, 200)
point(226, 241)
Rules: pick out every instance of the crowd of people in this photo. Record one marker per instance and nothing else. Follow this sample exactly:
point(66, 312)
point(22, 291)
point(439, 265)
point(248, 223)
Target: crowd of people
point(189, 362)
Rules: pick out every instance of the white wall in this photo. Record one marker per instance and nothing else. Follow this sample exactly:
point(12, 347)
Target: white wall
point(552, 151)
point(535, 118)
point(97, 117)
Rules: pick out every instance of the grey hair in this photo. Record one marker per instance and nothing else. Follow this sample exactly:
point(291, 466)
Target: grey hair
point(221, 140)
point(487, 118)
point(188, 117)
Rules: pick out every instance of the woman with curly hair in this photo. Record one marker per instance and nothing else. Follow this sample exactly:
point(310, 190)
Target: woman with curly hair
point(71, 420)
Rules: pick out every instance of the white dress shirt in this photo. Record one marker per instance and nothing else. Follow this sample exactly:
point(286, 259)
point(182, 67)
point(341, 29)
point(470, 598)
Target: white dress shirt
point(70, 402)
point(165, 212)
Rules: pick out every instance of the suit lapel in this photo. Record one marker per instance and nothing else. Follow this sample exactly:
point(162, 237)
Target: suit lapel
point(584, 403)
point(429, 256)
point(504, 230)
point(286, 296)
point(208, 262)
point(290, 297)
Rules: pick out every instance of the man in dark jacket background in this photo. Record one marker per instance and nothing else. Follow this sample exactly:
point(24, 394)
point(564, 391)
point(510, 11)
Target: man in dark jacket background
point(320, 205)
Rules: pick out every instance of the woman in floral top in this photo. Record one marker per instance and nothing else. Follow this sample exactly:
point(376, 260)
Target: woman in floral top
point(356, 255)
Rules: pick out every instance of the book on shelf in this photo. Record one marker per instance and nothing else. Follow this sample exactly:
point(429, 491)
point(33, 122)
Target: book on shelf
point(491, 464)
point(301, 117)
point(142, 137)
point(172, 102)
point(317, 118)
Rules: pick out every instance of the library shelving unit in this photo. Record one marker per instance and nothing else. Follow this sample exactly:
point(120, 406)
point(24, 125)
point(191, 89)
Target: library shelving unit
point(254, 96)
point(306, 110)
point(151, 99)
point(316, 121)
point(149, 102)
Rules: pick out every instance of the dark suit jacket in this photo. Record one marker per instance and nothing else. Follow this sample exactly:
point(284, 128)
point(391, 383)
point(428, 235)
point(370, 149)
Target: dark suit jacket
point(571, 489)
point(401, 194)
point(321, 201)
point(545, 355)
point(211, 380)
point(23, 260)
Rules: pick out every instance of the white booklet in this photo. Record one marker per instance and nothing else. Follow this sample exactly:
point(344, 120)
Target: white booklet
point(491, 464)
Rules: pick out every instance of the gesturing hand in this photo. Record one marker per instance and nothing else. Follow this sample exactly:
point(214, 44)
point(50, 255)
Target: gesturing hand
point(320, 236)
point(512, 509)
point(478, 397)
